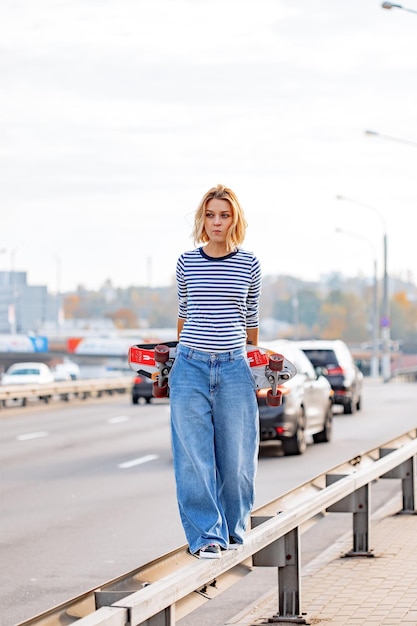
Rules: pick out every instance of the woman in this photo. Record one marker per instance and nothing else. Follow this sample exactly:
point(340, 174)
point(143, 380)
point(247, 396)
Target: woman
point(214, 412)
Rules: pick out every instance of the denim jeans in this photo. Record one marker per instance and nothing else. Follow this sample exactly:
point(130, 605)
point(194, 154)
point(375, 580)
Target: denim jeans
point(215, 439)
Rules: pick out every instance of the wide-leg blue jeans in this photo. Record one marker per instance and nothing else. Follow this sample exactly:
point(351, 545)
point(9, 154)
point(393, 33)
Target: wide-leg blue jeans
point(215, 439)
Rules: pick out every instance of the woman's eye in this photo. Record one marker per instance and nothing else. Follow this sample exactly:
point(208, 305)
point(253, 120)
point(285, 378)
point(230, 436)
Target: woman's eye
point(223, 216)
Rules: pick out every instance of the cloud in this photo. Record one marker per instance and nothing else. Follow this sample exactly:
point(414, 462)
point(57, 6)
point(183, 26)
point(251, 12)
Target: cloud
point(117, 116)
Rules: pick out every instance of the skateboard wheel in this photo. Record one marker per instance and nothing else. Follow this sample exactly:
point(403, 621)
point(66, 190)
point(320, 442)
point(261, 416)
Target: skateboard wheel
point(274, 400)
point(160, 392)
point(161, 353)
point(276, 362)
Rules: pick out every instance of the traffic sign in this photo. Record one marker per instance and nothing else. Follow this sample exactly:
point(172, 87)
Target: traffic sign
point(385, 322)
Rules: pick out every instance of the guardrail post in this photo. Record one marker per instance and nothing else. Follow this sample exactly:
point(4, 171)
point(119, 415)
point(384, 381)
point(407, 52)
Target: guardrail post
point(284, 553)
point(407, 472)
point(357, 503)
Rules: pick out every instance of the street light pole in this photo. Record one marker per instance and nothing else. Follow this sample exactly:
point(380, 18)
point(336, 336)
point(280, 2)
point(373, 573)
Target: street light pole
point(373, 133)
point(295, 312)
point(59, 307)
point(374, 359)
point(391, 5)
point(13, 306)
point(385, 322)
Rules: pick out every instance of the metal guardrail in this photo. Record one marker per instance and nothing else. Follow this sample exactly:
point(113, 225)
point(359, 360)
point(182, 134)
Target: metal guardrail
point(65, 390)
point(176, 584)
point(405, 366)
point(407, 373)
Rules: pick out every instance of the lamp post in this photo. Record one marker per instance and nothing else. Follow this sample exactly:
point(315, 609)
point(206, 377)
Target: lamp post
point(385, 321)
point(391, 5)
point(373, 133)
point(13, 306)
point(374, 358)
point(295, 311)
point(59, 307)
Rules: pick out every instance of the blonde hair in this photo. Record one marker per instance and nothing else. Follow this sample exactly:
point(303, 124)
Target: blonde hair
point(237, 230)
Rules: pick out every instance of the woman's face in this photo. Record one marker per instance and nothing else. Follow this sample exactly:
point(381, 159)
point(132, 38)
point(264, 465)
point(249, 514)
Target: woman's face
point(217, 220)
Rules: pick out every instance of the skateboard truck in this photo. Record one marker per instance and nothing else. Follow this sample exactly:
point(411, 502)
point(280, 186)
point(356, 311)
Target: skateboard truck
point(164, 363)
point(272, 372)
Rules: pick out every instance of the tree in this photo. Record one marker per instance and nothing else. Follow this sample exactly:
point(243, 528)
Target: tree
point(404, 320)
point(343, 316)
point(123, 318)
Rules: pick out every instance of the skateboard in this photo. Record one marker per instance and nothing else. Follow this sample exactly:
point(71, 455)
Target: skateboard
point(268, 368)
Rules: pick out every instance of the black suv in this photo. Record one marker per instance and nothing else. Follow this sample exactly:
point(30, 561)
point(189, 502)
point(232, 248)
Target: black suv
point(339, 367)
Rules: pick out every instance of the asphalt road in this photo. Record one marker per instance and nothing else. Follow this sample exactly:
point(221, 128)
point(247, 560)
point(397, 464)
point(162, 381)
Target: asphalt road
point(87, 490)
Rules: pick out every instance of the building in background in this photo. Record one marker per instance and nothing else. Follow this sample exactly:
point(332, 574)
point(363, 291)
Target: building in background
point(25, 308)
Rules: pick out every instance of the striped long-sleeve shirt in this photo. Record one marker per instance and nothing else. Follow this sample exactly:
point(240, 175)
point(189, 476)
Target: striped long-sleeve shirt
point(218, 298)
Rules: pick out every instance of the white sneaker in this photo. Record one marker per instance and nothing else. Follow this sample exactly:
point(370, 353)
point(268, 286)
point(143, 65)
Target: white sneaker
point(211, 551)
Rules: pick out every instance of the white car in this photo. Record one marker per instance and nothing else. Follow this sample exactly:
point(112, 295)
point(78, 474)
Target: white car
point(68, 370)
point(307, 404)
point(27, 374)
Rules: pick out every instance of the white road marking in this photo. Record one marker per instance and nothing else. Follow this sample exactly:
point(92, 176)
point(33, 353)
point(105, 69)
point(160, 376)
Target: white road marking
point(139, 461)
point(37, 435)
point(118, 419)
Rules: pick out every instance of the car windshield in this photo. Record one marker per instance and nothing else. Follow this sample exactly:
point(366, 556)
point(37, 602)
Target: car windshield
point(25, 372)
point(322, 358)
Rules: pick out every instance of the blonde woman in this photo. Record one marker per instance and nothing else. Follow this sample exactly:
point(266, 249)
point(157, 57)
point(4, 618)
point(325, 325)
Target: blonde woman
point(214, 412)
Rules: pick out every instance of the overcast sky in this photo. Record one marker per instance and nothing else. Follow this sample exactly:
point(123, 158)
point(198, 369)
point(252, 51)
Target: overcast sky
point(118, 115)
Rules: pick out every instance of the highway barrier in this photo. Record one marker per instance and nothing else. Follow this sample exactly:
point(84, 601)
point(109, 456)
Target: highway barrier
point(177, 583)
point(65, 390)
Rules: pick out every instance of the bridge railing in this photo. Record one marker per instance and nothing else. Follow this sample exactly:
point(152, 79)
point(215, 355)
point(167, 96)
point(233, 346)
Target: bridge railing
point(65, 390)
point(174, 585)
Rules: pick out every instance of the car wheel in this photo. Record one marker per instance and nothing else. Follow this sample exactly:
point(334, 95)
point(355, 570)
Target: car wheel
point(349, 407)
point(135, 400)
point(325, 435)
point(359, 404)
point(297, 443)
point(148, 400)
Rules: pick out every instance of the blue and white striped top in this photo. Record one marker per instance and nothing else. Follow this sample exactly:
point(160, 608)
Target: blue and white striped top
point(218, 298)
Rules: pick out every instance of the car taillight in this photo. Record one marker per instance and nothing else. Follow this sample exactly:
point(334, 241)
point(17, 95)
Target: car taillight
point(335, 371)
point(138, 380)
point(262, 393)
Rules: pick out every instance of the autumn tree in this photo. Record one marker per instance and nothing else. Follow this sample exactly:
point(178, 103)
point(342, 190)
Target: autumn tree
point(123, 318)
